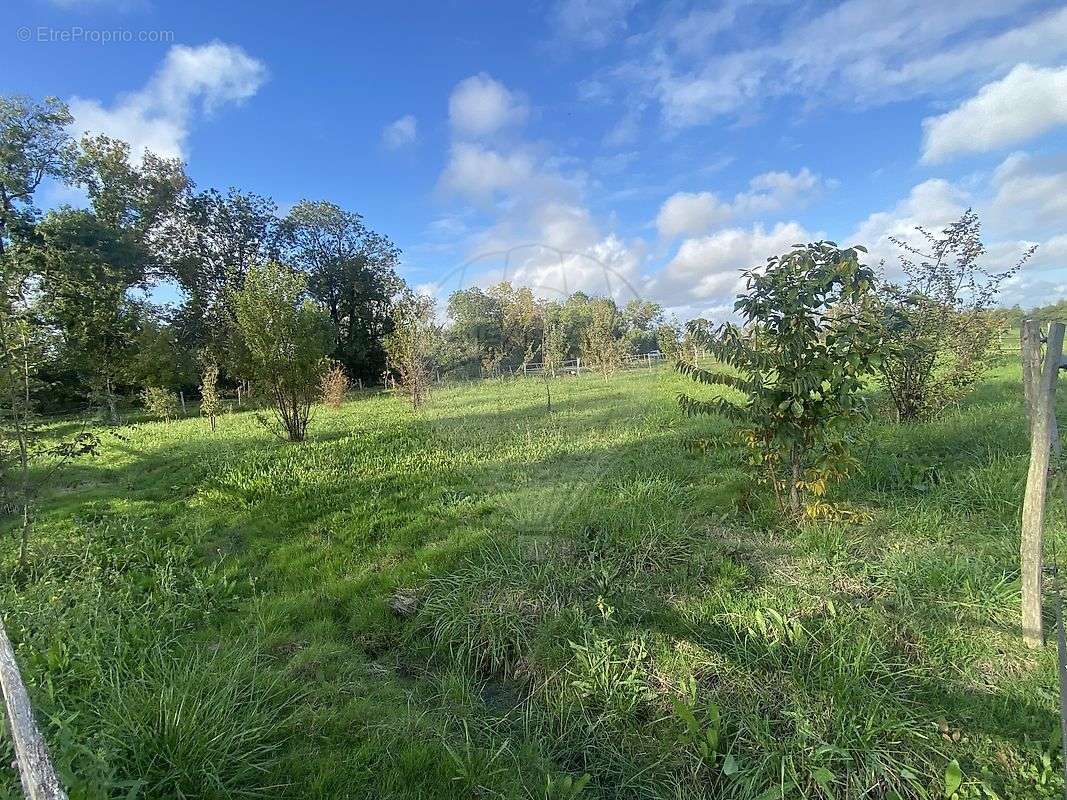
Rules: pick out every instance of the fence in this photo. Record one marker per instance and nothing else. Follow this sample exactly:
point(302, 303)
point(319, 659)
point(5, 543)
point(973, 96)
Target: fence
point(39, 781)
point(574, 366)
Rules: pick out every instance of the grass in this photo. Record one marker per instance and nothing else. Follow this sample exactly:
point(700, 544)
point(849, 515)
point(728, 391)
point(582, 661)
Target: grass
point(491, 600)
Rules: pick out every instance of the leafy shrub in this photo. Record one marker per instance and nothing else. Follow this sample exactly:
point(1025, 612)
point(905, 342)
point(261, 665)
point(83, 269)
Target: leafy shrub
point(286, 337)
point(160, 403)
point(938, 327)
point(798, 364)
point(334, 385)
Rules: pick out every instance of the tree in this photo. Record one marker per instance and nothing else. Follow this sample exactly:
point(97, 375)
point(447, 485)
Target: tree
point(210, 402)
point(602, 344)
point(553, 343)
point(938, 325)
point(209, 245)
point(34, 144)
point(86, 270)
point(287, 337)
point(412, 347)
point(641, 320)
point(139, 199)
point(796, 367)
point(351, 271)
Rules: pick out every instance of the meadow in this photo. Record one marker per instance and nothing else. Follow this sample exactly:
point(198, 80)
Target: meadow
point(492, 599)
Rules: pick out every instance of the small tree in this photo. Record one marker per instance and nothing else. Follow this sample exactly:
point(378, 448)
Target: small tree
point(798, 364)
point(601, 346)
point(553, 342)
point(210, 402)
point(160, 403)
point(938, 326)
point(334, 385)
point(287, 338)
point(412, 347)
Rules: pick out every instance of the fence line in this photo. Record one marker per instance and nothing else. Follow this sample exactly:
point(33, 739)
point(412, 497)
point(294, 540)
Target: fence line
point(39, 781)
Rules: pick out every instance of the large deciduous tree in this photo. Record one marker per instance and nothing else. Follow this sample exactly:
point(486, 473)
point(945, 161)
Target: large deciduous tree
point(86, 271)
point(351, 271)
point(210, 244)
point(34, 145)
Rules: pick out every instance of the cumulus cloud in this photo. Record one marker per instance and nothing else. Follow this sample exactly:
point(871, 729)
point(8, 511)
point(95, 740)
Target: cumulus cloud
point(691, 214)
point(400, 133)
point(1030, 194)
point(477, 173)
point(707, 270)
point(686, 213)
point(1027, 102)
point(192, 81)
point(480, 105)
point(932, 204)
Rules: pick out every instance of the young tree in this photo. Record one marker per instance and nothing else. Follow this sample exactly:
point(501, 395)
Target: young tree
point(602, 345)
point(287, 338)
point(797, 365)
point(210, 402)
point(413, 345)
point(938, 325)
point(553, 343)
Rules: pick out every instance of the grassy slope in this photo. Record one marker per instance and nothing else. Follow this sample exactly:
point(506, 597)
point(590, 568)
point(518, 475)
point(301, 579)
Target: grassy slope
point(572, 573)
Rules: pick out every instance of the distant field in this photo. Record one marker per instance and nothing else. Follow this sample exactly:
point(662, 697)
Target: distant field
point(491, 600)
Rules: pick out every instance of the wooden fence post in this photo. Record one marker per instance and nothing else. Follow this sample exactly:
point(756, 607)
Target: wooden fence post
point(39, 781)
point(579, 367)
point(1040, 378)
point(182, 396)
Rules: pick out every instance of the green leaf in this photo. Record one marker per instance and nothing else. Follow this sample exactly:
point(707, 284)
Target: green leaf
point(729, 765)
point(953, 778)
point(825, 779)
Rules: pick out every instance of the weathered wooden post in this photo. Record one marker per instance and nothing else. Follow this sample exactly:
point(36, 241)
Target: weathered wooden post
point(181, 395)
point(1039, 378)
point(579, 367)
point(39, 781)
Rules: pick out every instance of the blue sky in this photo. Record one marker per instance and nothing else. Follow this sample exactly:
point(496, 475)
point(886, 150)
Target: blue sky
point(622, 146)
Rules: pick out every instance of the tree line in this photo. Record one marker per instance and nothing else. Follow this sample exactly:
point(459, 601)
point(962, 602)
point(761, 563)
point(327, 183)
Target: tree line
point(77, 281)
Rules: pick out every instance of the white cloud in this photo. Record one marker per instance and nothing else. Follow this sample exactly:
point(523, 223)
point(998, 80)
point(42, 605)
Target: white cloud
point(480, 106)
point(932, 204)
point(707, 270)
point(1030, 194)
point(1027, 102)
point(477, 172)
point(591, 23)
point(190, 82)
point(691, 214)
point(400, 133)
point(866, 52)
point(696, 213)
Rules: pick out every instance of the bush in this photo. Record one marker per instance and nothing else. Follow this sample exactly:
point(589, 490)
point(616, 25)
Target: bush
point(938, 327)
point(286, 337)
point(160, 403)
point(798, 364)
point(335, 385)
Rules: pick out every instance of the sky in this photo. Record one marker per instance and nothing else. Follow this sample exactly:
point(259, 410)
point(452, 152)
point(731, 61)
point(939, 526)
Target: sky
point(618, 147)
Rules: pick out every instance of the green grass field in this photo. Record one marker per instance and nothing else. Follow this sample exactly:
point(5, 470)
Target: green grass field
point(490, 600)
